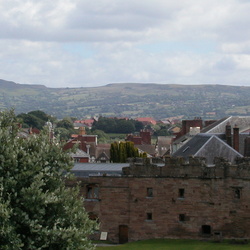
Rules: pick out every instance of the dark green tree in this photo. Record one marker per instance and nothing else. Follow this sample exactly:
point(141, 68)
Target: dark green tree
point(114, 152)
point(65, 123)
point(122, 152)
point(37, 210)
point(35, 119)
point(119, 152)
point(29, 120)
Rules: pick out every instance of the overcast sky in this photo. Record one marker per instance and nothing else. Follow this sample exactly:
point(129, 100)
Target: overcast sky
point(82, 43)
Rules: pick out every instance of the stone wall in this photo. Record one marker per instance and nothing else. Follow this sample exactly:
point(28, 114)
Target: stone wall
point(173, 201)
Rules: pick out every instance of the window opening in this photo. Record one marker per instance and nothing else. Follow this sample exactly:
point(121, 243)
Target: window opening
point(149, 192)
point(237, 193)
point(149, 216)
point(206, 229)
point(92, 192)
point(181, 192)
point(181, 217)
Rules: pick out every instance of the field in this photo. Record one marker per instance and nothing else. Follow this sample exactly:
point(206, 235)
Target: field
point(166, 244)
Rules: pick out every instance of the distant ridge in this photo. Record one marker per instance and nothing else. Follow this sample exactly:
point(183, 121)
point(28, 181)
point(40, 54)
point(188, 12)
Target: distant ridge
point(128, 100)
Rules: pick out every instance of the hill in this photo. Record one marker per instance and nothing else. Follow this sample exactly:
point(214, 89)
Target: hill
point(128, 99)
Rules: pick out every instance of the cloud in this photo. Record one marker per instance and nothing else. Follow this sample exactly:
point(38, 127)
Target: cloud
point(84, 43)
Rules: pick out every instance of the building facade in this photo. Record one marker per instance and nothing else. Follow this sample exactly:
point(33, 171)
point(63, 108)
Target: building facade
point(177, 200)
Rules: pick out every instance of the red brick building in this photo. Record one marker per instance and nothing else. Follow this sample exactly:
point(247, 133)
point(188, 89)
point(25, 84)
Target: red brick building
point(177, 200)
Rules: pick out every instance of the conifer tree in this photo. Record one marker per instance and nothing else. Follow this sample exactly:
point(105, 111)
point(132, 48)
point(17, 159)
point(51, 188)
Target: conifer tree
point(120, 152)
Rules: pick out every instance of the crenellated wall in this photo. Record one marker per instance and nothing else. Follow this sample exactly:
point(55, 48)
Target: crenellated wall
point(177, 200)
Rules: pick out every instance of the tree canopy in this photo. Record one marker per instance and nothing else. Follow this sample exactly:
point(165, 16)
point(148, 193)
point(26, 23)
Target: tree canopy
point(37, 210)
point(35, 119)
point(114, 125)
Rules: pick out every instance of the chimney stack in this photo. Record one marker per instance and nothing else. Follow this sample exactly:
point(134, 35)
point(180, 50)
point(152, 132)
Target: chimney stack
point(228, 134)
point(82, 131)
point(236, 142)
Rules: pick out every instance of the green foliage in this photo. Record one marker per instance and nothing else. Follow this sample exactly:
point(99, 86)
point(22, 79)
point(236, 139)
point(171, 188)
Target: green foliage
point(63, 133)
point(65, 123)
point(137, 100)
point(37, 210)
point(143, 155)
point(102, 136)
point(34, 119)
point(114, 125)
point(64, 129)
point(119, 152)
point(161, 130)
point(28, 120)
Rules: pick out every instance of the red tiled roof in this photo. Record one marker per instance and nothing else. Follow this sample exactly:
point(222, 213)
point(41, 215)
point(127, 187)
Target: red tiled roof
point(146, 119)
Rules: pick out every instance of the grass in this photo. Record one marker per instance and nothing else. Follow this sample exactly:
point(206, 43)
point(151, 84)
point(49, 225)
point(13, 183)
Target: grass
point(171, 244)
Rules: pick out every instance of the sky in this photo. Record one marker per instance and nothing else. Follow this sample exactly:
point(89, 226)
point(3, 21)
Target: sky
point(86, 43)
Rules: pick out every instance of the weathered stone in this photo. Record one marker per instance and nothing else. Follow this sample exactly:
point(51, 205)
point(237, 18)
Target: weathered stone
point(187, 201)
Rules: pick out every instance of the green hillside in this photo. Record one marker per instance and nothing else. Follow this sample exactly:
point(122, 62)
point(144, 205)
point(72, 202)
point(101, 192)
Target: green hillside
point(128, 99)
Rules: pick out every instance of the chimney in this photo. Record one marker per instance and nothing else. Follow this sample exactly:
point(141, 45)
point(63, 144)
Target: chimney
point(82, 131)
point(87, 146)
point(236, 142)
point(247, 146)
point(228, 134)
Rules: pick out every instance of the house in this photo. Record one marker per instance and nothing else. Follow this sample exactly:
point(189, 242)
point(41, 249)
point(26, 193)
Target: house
point(208, 146)
point(86, 147)
point(88, 150)
point(213, 127)
point(163, 145)
point(86, 122)
point(80, 156)
point(146, 120)
point(143, 142)
point(143, 139)
point(102, 153)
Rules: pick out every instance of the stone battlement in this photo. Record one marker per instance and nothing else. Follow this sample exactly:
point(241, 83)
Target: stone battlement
point(195, 168)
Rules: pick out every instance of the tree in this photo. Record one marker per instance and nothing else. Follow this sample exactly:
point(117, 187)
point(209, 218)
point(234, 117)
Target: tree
point(119, 152)
point(102, 136)
point(35, 119)
point(29, 120)
point(65, 123)
point(37, 210)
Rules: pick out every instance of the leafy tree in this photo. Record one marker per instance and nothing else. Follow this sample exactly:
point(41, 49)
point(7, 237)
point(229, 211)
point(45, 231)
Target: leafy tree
point(125, 126)
point(42, 115)
point(138, 125)
point(29, 120)
point(63, 133)
point(37, 210)
point(35, 119)
point(64, 128)
point(102, 136)
point(65, 123)
point(114, 125)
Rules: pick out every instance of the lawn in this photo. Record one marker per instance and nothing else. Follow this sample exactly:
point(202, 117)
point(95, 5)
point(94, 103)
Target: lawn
point(167, 244)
